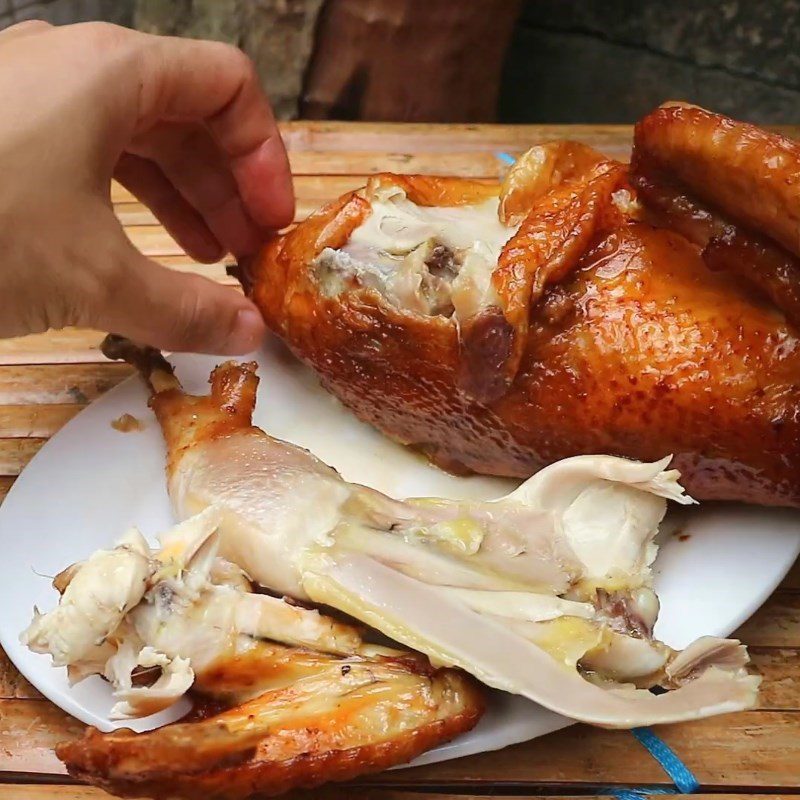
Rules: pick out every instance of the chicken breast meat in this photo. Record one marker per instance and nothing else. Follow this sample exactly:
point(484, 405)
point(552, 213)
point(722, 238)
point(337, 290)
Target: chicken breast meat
point(582, 306)
point(546, 592)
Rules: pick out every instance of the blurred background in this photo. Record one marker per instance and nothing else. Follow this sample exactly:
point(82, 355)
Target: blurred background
point(560, 61)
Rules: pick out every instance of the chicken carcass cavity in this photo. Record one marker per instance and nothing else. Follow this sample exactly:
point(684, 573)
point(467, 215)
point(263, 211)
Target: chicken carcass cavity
point(425, 259)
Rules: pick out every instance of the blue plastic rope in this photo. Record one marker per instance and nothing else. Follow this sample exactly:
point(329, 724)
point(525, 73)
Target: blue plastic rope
point(639, 793)
point(628, 794)
point(680, 774)
point(683, 778)
point(506, 158)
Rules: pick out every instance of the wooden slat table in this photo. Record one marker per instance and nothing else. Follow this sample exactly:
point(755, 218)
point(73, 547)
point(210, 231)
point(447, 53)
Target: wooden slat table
point(46, 379)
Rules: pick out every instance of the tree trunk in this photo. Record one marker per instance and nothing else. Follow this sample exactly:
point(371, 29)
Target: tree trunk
point(61, 12)
point(277, 34)
point(423, 60)
point(420, 60)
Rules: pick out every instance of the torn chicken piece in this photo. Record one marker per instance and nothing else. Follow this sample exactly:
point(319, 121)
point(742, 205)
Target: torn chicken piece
point(545, 593)
point(95, 597)
point(126, 612)
point(287, 696)
point(338, 720)
point(175, 678)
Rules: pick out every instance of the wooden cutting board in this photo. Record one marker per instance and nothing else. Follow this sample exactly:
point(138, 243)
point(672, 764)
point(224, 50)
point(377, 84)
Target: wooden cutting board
point(46, 379)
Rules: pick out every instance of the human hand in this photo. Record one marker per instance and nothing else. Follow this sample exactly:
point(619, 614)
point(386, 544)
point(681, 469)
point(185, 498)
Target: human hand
point(185, 127)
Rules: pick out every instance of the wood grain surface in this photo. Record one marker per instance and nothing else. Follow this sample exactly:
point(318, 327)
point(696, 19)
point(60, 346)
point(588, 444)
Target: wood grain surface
point(48, 378)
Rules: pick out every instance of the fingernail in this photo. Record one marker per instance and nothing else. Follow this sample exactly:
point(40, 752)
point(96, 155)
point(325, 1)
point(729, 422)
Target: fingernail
point(247, 333)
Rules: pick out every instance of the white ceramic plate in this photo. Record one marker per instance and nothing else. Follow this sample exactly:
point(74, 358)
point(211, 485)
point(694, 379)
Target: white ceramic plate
point(90, 482)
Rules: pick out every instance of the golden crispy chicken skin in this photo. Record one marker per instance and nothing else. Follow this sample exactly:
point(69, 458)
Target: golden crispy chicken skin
point(717, 182)
point(580, 307)
point(745, 172)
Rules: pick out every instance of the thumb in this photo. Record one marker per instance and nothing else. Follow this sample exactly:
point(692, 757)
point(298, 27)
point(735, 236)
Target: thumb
point(170, 310)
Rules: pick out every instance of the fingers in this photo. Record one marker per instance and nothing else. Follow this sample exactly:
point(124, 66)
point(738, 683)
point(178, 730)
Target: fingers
point(190, 159)
point(146, 181)
point(175, 311)
point(87, 273)
point(113, 287)
point(213, 83)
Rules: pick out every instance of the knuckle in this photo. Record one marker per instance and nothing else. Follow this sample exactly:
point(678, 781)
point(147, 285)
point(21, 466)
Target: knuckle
point(60, 312)
point(236, 62)
point(61, 307)
point(29, 25)
point(35, 317)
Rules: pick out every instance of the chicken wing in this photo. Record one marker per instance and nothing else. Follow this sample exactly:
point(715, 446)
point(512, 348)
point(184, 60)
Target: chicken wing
point(546, 592)
point(334, 725)
point(578, 308)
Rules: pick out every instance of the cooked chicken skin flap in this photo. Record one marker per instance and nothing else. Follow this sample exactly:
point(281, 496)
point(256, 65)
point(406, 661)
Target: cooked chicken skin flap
point(634, 312)
point(337, 722)
point(285, 697)
point(332, 725)
point(546, 592)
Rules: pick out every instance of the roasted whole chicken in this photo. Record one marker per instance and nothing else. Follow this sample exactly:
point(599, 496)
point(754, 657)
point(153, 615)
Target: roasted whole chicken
point(285, 697)
point(583, 306)
point(546, 592)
